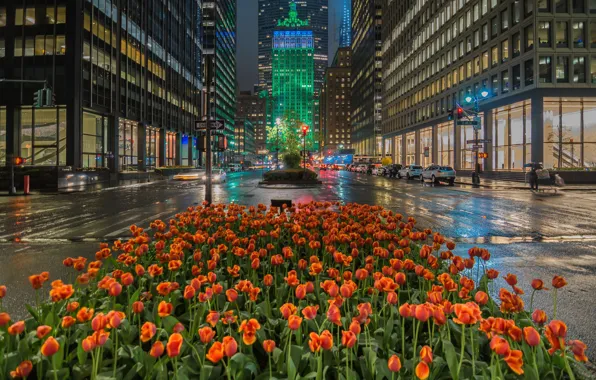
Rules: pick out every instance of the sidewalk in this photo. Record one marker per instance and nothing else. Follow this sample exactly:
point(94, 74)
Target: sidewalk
point(500, 184)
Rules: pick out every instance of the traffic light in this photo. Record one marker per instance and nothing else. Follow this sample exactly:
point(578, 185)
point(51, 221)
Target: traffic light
point(49, 98)
point(459, 112)
point(482, 155)
point(18, 161)
point(38, 98)
point(304, 129)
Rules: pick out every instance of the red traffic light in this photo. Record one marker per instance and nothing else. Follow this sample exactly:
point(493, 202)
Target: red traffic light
point(460, 112)
point(18, 161)
point(305, 129)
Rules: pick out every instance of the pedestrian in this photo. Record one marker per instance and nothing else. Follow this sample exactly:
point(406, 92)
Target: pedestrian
point(534, 178)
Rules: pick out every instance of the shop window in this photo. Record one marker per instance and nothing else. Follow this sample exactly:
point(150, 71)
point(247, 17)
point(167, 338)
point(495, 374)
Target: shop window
point(467, 153)
point(561, 34)
point(426, 147)
point(579, 70)
point(397, 141)
point(561, 6)
point(512, 136)
point(94, 140)
point(515, 12)
point(562, 69)
point(504, 51)
point(593, 69)
point(445, 144)
point(545, 69)
point(41, 137)
point(529, 37)
point(516, 42)
point(504, 81)
point(528, 7)
point(544, 34)
point(529, 72)
point(577, 31)
point(170, 159)
point(411, 148)
point(128, 145)
point(2, 16)
point(544, 6)
point(152, 136)
point(516, 74)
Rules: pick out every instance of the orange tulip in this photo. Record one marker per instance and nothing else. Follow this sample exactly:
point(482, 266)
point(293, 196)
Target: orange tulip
point(500, 346)
point(559, 282)
point(394, 363)
point(348, 339)
point(115, 289)
point(310, 312)
point(138, 307)
point(326, 340)
point(85, 314)
point(539, 317)
point(269, 346)
point(515, 362)
point(50, 347)
point(531, 336)
point(555, 332)
point(392, 298)
point(72, 307)
point(189, 292)
point(88, 344)
point(355, 327)
point(511, 279)
point(481, 297)
point(212, 318)
point(157, 349)
point(68, 321)
point(206, 334)
point(42, 331)
point(334, 315)
point(2, 291)
point(164, 309)
point(216, 352)
point(23, 370)
point(538, 284)
point(294, 322)
point(426, 354)
point(174, 345)
point(421, 312)
point(99, 322)
point(127, 279)
point(4, 319)
point(422, 371)
point(287, 310)
point(148, 331)
point(467, 314)
point(232, 295)
point(578, 348)
point(16, 328)
point(230, 346)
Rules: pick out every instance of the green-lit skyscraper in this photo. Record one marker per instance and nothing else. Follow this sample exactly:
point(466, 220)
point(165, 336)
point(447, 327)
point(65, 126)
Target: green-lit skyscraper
point(293, 71)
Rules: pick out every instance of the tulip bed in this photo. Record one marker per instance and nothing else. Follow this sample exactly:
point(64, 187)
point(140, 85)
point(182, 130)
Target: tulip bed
point(319, 291)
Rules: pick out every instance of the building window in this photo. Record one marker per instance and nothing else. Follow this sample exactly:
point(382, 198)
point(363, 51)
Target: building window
point(477, 67)
point(578, 6)
point(445, 144)
point(593, 33)
point(29, 46)
point(593, 69)
point(562, 70)
point(561, 34)
point(60, 45)
point(577, 31)
point(24, 17)
point(529, 72)
point(494, 27)
point(152, 138)
point(504, 51)
point(505, 81)
point(516, 73)
point(516, 42)
point(484, 33)
point(468, 69)
point(128, 145)
point(2, 16)
point(592, 6)
point(170, 149)
point(2, 48)
point(529, 37)
point(579, 70)
point(528, 7)
point(2, 136)
point(95, 130)
point(43, 136)
point(426, 147)
point(569, 132)
point(544, 34)
point(495, 84)
point(544, 6)
point(56, 16)
point(516, 12)
point(411, 148)
point(545, 69)
point(504, 20)
point(512, 136)
point(561, 6)
point(485, 61)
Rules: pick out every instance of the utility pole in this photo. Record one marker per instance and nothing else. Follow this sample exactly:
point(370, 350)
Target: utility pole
point(208, 161)
point(476, 179)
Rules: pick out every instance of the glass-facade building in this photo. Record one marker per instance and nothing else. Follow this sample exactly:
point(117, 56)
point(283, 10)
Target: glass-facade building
point(253, 107)
point(293, 72)
point(345, 27)
point(367, 19)
point(126, 76)
point(535, 59)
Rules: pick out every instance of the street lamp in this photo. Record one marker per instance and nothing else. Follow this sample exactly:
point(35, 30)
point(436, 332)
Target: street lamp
point(469, 99)
point(304, 132)
point(277, 123)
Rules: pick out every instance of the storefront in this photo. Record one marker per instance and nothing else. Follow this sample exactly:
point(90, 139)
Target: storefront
point(2, 136)
point(128, 148)
point(95, 135)
point(511, 136)
point(170, 159)
point(467, 153)
point(445, 144)
point(43, 136)
point(398, 149)
point(152, 139)
point(426, 147)
point(570, 132)
point(411, 148)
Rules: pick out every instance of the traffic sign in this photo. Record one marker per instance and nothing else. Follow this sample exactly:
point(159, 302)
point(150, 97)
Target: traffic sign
point(475, 147)
point(468, 122)
point(215, 125)
point(484, 141)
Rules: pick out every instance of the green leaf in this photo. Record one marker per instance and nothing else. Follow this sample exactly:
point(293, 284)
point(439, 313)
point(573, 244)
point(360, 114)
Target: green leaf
point(529, 371)
point(33, 312)
point(169, 322)
point(242, 366)
point(388, 330)
point(81, 354)
point(58, 358)
point(451, 358)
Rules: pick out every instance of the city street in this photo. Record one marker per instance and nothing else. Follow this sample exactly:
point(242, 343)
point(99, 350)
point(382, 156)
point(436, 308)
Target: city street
point(532, 237)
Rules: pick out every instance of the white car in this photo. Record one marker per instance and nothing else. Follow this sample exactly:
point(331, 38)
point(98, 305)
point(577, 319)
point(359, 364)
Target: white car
point(410, 171)
point(437, 173)
point(217, 176)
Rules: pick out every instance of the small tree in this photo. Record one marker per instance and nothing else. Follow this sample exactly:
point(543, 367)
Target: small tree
point(386, 161)
point(292, 160)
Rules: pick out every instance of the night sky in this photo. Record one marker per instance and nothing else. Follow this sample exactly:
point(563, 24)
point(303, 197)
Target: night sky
point(246, 52)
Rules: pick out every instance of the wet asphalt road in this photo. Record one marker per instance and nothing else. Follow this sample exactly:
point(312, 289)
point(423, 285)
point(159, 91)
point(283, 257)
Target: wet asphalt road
point(530, 236)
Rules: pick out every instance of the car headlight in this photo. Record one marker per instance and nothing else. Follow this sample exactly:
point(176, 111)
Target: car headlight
point(204, 177)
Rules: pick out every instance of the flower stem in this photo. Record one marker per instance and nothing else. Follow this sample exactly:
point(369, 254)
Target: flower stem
point(320, 366)
point(463, 345)
point(555, 303)
point(115, 352)
point(473, 352)
point(567, 367)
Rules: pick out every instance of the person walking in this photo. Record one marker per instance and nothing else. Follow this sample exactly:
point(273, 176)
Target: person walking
point(534, 178)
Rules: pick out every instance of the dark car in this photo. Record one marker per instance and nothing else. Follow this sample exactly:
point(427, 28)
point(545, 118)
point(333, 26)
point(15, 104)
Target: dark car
point(391, 170)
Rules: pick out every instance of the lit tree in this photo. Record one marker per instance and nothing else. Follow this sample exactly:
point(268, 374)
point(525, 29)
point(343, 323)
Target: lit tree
point(286, 135)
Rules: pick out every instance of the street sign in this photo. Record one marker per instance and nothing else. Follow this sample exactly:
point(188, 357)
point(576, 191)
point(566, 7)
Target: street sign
point(475, 147)
point(468, 122)
point(485, 141)
point(215, 125)
point(426, 151)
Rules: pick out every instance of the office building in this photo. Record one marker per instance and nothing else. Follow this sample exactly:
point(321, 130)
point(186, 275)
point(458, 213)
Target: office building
point(126, 77)
point(345, 27)
point(219, 43)
point(293, 72)
point(244, 147)
point(335, 119)
point(367, 78)
point(531, 64)
point(253, 107)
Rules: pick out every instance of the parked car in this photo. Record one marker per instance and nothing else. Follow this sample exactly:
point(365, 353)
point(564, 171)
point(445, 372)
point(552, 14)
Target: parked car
point(371, 167)
point(390, 171)
point(437, 174)
point(378, 171)
point(410, 171)
point(362, 168)
point(235, 167)
point(217, 176)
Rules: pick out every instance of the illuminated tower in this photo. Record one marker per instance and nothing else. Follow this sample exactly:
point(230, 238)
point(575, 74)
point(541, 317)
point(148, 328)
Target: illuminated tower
point(293, 70)
point(345, 28)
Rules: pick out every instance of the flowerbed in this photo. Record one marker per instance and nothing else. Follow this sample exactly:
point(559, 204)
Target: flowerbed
point(322, 291)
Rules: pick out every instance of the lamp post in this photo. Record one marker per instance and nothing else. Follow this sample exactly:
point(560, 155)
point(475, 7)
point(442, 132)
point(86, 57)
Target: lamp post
point(304, 132)
point(469, 99)
point(277, 123)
